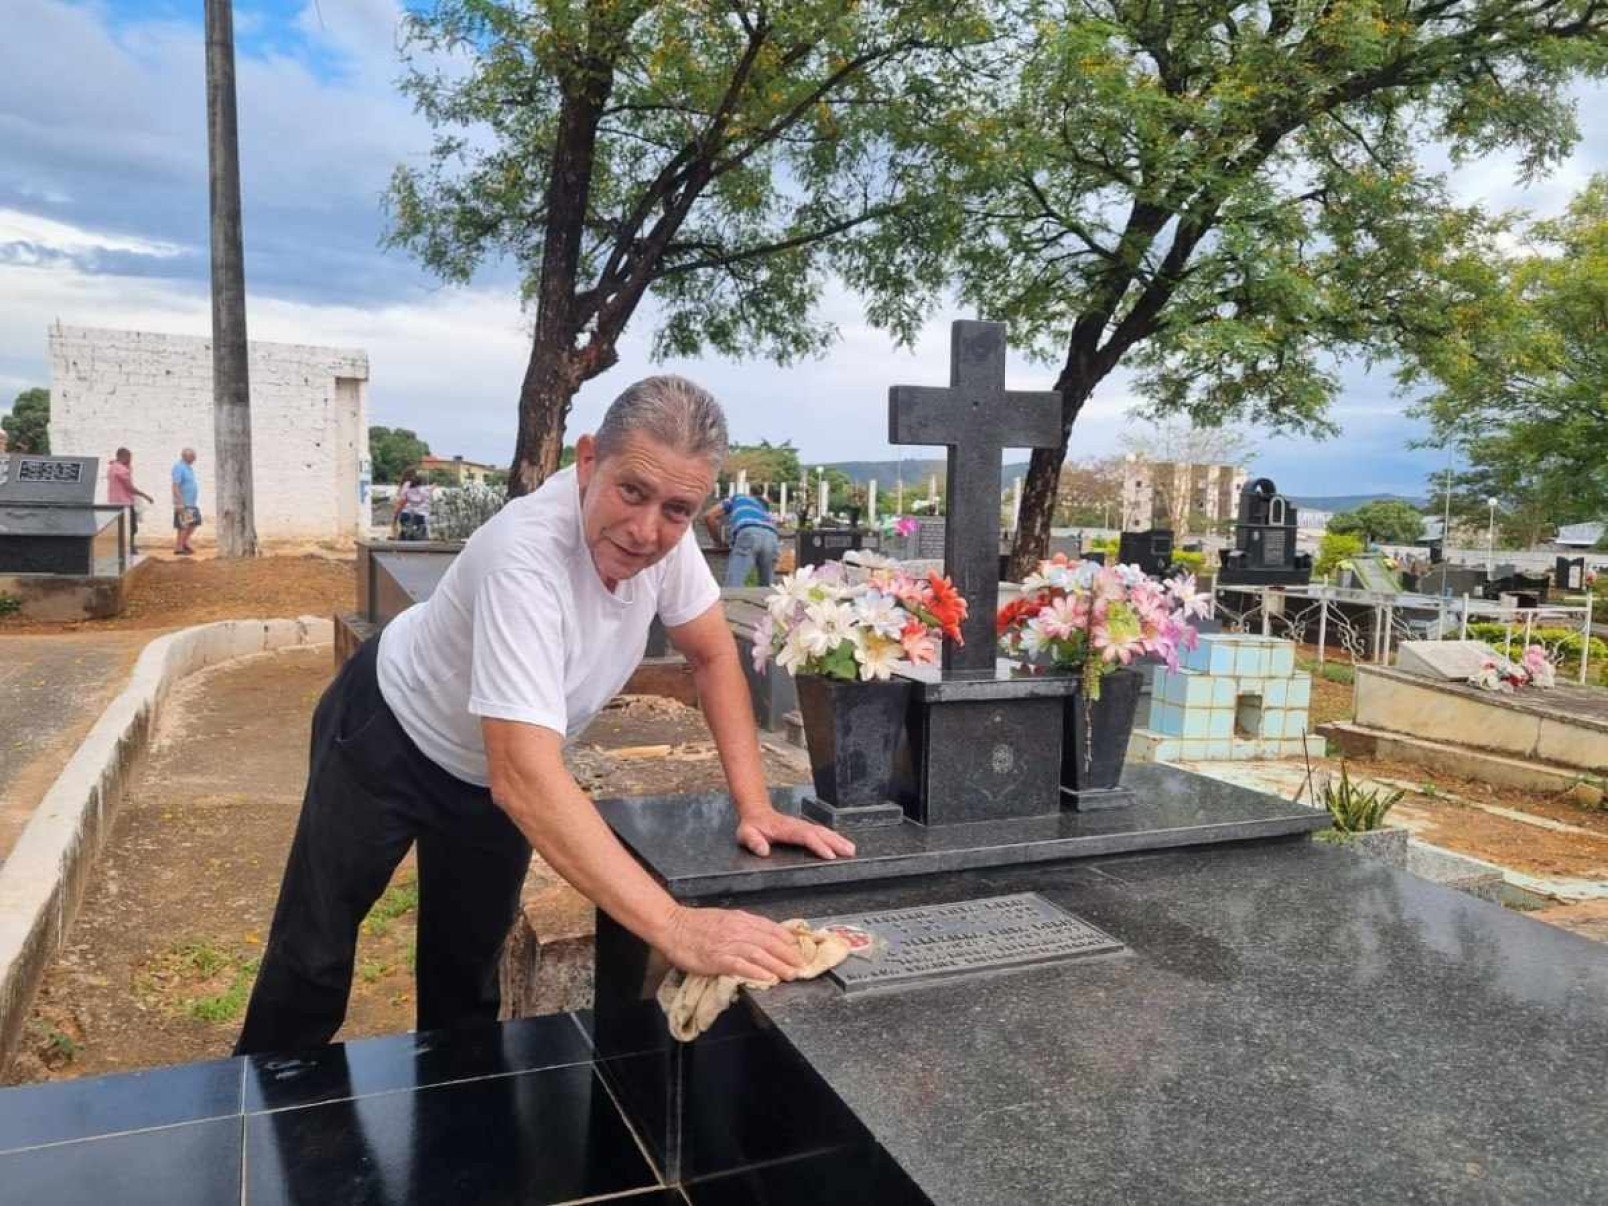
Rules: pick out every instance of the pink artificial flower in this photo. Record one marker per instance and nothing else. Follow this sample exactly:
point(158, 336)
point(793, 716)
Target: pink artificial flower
point(763, 632)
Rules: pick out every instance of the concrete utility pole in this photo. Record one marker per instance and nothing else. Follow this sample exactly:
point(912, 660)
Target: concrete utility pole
point(231, 386)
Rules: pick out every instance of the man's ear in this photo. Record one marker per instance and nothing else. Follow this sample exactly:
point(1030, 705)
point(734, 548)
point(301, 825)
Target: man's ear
point(585, 459)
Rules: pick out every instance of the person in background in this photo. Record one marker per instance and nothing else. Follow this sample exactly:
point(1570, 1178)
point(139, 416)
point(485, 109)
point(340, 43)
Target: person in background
point(186, 502)
point(121, 492)
point(753, 535)
point(411, 515)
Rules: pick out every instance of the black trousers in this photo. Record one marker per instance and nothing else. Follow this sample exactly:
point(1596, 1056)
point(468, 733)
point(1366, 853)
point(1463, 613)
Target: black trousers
point(371, 794)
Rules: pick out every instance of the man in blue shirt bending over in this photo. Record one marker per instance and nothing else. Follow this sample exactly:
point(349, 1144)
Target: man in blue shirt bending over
point(753, 535)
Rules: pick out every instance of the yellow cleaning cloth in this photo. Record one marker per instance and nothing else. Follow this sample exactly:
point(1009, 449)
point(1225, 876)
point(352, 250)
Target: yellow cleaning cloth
point(692, 1003)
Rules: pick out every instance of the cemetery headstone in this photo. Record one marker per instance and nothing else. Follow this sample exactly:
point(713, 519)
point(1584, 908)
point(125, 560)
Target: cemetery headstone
point(1264, 552)
point(1443, 661)
point(1151, 551)
point(817, 546)
point(1569, 573)
point(48, 524)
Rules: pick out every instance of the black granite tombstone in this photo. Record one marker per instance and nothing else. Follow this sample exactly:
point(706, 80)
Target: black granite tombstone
point(1569, 573)
point(1264, 552)
point(1151, 551)
point(49, 523)
point(817, 546)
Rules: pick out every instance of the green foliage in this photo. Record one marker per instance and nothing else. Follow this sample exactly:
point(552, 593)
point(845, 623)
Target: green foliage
point(702, 154)
point(1355, 808)
point(10, 605)
point(1382, 521)
point(1194, 562)
point(764, 462)
point(1334, 548)
point(27, 427)
point(1519, 379)
point(393, 451)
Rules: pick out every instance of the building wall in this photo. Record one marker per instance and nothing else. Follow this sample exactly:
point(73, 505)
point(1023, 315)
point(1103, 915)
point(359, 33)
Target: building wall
point(153, 394)
point(1164, 494)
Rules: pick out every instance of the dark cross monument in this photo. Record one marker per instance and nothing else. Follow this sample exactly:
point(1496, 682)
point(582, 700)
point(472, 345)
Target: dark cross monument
point(978, 418)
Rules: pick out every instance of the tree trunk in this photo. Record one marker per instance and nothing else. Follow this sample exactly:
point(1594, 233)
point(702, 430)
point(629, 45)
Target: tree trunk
point(1044, 475)
point(544, 405)
point(231, 389)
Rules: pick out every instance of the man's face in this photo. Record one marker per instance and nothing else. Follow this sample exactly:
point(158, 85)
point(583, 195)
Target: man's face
point(189, 456)
point(636, 504)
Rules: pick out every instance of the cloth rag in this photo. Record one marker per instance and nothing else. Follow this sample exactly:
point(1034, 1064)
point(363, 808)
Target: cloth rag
point(691, 1003)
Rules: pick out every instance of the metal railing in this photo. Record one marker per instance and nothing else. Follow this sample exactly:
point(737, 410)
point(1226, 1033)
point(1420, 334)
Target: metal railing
point(1321, 612)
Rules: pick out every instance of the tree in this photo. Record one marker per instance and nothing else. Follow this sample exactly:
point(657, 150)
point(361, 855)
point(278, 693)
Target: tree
point(395, 450)
point(1225, 196)
point(27, 427)
point(1382, 521)
point(1090, 493)
point(763, 462)
point(1180, 441)
point(705, 154)
point(1520, 382)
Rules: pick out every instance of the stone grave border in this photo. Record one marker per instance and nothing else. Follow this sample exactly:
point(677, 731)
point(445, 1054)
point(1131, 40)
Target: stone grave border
point(42, 881)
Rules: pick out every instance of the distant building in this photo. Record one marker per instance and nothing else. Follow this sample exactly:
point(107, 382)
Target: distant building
point(459, 471)
point(152, 394)
point(1581, 535)
point(1171, 494)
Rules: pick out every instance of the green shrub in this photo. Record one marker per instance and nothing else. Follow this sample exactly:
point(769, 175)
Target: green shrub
point(1354, 808)
point(10, 605)
point(1334, 548)
point(1191, 561)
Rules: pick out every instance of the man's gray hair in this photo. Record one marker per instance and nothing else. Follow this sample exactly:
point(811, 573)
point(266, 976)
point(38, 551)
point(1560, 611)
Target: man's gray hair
point(670, 410)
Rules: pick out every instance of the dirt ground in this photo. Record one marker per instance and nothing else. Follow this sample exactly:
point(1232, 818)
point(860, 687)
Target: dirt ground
point(162, 957)
point(176, 592)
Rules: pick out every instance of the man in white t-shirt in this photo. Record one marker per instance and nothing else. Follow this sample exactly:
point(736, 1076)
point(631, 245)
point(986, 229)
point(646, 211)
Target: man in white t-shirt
point(449, 730)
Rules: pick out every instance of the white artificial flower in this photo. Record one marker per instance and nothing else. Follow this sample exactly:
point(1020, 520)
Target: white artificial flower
point(877, 658)
point(879, 613)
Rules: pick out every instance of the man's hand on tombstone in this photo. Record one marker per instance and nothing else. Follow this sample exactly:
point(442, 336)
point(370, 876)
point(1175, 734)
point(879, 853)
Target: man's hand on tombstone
point(759, 831)
point(729, 942)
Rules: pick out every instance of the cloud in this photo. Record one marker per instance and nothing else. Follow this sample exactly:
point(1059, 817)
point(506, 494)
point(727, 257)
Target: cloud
point(103, 221)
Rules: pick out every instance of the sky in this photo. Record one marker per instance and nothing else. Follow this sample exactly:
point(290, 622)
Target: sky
point(103, 213)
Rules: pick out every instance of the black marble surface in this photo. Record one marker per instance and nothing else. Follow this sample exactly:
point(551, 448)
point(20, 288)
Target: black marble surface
point(130, 1101)
point(413, 1061)
point(195, 1164)
point(1294, 1025)
point(686, 841)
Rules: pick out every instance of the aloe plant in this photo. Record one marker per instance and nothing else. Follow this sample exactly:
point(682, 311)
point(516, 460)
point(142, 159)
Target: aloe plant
point(1355, 808)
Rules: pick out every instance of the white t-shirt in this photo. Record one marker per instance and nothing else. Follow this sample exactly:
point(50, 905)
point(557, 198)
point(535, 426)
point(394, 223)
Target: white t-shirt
point(522, 628)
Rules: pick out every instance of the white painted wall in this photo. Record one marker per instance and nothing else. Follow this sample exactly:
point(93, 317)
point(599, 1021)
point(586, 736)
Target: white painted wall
point(153, 394)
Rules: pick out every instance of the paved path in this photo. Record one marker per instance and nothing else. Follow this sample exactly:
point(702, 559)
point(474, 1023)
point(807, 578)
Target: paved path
point(52, 690)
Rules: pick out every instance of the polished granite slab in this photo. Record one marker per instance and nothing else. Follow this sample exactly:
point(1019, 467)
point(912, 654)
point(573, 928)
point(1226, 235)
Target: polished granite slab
point(686, 841)
point(1295, 1024)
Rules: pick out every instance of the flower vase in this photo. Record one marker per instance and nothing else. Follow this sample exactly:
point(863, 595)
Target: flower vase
point(853, 731)
point(1094, 742)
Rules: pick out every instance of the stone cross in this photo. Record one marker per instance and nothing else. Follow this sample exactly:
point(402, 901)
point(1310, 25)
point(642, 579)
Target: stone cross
point(978, 418)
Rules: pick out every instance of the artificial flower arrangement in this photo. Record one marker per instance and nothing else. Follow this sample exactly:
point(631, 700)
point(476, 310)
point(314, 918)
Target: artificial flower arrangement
point(820, 621)
point(1533, 669)
point(1097, 618)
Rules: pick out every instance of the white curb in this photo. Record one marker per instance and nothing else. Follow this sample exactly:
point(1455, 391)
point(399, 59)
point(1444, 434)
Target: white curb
point(42, 879)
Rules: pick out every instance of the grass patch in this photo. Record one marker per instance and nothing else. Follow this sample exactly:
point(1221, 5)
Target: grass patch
point(199, 980)
point(400, 899)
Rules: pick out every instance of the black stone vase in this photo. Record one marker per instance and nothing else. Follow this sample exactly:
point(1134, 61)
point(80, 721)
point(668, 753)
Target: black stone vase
point(853, 731)
point(1094, 742)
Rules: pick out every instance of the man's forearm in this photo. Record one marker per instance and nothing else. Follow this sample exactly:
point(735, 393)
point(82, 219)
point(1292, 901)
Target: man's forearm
point(727, 706)
point(563, 825)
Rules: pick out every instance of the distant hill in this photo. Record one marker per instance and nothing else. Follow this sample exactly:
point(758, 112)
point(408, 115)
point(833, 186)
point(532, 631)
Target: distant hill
point(1349, 502)
point(887, 472)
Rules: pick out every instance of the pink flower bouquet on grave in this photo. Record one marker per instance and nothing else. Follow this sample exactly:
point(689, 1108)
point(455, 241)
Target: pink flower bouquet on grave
point(818, 621)
point(1533, 669)
point(1097, 618)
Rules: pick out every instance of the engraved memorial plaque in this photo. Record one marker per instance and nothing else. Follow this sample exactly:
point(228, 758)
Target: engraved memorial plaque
point(965, 936)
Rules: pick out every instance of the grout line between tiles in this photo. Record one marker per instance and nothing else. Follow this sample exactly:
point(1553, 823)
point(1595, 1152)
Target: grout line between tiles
point(438, 1084)
point(653, 1167)
point(138, 1130)
point(244, 1156)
